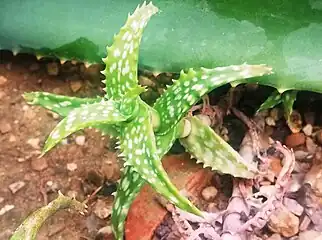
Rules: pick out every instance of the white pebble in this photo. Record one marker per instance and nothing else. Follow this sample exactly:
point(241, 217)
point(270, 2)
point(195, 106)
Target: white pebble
point(71, 166)
point(6, 208)
point(34, 142)
point(25, 107)
point(15, 187)
point(308, 129)
point(270, 121)
point(209, 193)
point(80, 140)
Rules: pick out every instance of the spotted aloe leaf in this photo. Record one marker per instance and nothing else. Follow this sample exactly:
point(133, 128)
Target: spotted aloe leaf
point(63, 105)
point(57, 103)
point(138, 145)
point(29, 228)
point(104, 112)
point(127, 190)
point(122, 60)
point(132, 182)
point(274, 99)
point(211, 150)
point(289, 98)
point(191, 86)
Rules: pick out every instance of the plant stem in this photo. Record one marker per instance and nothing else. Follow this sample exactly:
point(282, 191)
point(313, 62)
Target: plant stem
point(30, 227)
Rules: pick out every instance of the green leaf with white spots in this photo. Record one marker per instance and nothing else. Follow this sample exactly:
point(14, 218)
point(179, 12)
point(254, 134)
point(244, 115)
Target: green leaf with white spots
point(104, 112)
point(60, 104)
point(131, 183)
point(138, 147)
point(211, 150)
point(177, 100)
point(288, 99)
point(274, 99)
point(63, 105)
point(129, 101)
point(122, 60)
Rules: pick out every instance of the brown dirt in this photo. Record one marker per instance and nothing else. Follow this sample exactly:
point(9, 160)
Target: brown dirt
point(19, 161)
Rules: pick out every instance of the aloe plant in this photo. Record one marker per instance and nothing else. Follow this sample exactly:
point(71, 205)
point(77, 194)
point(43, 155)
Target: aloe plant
point(146, 133)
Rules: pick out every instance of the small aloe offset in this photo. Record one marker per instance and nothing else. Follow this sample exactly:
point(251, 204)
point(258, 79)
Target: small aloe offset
point(146, 133)
point(287, 100)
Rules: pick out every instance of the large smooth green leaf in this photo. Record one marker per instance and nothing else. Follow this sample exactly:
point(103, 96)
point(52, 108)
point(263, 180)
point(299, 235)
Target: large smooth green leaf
point(285, 34)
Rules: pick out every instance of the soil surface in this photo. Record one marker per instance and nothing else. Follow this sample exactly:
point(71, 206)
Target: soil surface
point(81, 164)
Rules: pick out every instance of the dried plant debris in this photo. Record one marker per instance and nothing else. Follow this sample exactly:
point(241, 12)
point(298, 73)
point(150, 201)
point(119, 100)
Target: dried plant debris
point(283, 200)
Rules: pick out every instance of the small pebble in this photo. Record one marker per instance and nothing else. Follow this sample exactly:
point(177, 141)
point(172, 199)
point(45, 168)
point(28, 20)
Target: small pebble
point(21, 159)
point(12, 138)
point(71, 167)
point(276, 114)
point(3, 80)
point(25, 108)
point(104, 233)
point(209, 193)
point(5, 127)
point(16, 186)
point(310, 235)
point(314, 179)
point(295, 123)
point(308, 129)
point(300, 155)
point(294, 140)
point(54, 115)
point(284, 222)
point(293, 206)
point(275, 165)
point(34, 142)
point(102, 210)
point(145, 81)
point(51, 186)
point(72, 194)
point(212, 207)
point(310, 145)
point(75, 85)
point(53, 68)
point(270, 121)
point(6, 208)
point(1, 200)
point(306, 221)
point(80, 140)
point(39, 164)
